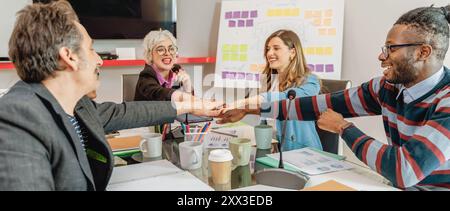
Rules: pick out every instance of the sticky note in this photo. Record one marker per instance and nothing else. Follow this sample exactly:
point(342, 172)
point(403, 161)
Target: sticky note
point(241, 23)
point(308, 14)
point(244, 14)
point(231, 24)
point(317, 22)
point(243, 48)
point(332, 31)
point(235, 48)
point(323, 32)
point(250, 77)
point(296, 12)
point(328, 51)
point(320, 51)
point(327, 22)
point(310, 51)
point(328, 13)
point(311, 67)
point(329, 68)
point(226, 57)
point(235, 57)
point(286, 12)
point(228, 15)
point(237, 14)
point(317, 14)
point(278, 12)
point(249, 23)
point(257, 76)
point(319, 68)
point(226, 48)
point(243, 57)
point(254, 14)
point(271, 13)
point(240, 76)
point(224, 75)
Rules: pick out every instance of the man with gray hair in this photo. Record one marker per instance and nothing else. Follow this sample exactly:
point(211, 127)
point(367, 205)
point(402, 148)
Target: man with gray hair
point(52, 136)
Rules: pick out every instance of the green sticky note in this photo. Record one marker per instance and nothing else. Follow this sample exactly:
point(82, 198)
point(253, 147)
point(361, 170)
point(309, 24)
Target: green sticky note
point(243, 58)
point(244, 48)
point(235, 48)
point(235, 57)
point(226, 48)
point(226, 57)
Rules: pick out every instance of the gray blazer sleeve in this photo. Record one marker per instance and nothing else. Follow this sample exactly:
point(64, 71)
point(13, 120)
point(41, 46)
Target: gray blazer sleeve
point(24, 162)
point(134, 114)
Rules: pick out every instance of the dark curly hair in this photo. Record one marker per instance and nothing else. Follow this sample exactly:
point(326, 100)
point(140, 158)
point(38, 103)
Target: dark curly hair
point(39, 32)
point(431, 23)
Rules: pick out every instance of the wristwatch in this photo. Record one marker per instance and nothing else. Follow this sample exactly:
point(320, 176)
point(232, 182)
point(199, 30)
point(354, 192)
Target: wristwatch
point(345, 126)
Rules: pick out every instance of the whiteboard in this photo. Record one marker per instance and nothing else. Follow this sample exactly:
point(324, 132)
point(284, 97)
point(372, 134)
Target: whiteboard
point(8, 12)
point(246, 24)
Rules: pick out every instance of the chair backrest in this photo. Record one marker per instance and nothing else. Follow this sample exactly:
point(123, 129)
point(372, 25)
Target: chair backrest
point(129, 82)
point(330, 141)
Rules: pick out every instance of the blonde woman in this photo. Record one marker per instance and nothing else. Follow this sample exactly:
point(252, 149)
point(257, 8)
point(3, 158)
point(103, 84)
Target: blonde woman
point(286, 69)
point(156, 81)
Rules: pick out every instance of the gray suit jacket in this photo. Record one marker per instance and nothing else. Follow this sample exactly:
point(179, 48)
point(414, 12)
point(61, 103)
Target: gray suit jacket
point(40, 150)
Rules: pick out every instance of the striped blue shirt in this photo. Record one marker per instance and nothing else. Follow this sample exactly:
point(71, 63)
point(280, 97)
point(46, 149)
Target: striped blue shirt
point(81, 132)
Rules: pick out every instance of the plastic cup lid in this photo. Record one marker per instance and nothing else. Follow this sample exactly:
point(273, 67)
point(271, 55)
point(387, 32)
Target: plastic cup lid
point(220, 155)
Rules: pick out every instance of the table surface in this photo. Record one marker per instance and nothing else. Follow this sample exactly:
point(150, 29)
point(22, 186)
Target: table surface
point(244, 176)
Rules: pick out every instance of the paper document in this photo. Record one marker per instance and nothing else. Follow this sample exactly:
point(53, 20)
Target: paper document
point(221, 139)
point(311, 162)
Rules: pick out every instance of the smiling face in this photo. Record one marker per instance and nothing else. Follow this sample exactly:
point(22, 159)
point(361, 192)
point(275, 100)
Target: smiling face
point(278, 54)
point(401, 66)
point(164, 55)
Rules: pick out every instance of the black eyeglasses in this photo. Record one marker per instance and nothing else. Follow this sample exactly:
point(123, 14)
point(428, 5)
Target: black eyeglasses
point(161, 50)
point(387, 48)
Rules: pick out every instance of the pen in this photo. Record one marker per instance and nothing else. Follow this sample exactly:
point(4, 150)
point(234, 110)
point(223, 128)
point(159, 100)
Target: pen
point(227, 134)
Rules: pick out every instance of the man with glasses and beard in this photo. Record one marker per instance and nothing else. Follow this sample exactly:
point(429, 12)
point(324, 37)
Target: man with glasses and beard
point(413, 97)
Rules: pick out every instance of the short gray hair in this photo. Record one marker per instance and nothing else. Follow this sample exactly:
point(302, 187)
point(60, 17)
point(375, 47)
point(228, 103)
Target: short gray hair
point(152, 39)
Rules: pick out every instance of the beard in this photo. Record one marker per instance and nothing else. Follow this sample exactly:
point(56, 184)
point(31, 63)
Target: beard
point(405, 71)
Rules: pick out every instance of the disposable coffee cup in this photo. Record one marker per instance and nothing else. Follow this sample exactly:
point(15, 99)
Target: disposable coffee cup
point(220, 162)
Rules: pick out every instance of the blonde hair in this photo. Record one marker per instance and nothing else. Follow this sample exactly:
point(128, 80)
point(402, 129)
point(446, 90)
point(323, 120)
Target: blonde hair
point(152, 39)
point(297, 69)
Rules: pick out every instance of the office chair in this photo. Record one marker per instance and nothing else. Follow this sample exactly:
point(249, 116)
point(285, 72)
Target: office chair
point(129, 82)
point(330, 141)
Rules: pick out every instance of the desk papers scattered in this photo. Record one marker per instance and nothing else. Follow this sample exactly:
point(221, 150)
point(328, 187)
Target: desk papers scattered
point(154, 176)
point(311, 162)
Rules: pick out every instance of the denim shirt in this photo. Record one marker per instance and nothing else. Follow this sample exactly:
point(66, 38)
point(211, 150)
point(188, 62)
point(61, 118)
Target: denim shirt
point(299, 134)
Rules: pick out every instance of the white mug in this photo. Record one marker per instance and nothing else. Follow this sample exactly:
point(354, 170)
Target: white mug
point(151, 145)
point(191, 154)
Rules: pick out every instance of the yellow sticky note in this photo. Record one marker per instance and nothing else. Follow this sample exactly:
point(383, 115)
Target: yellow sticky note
point(271, 12)
point(328, 13)
point(310, 51)
point(332, 31)
point(278, 12)
point(286, 12)
point(243, 58)
point(327, 22)
point(320, 51)
point(308, 14)
point(328, 51)
point(317, 14)
point(317, 22)
point(244, 48)
point(323, 32)
point(296, 12)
